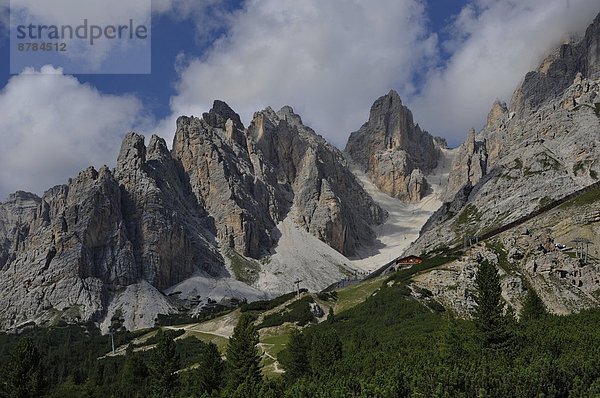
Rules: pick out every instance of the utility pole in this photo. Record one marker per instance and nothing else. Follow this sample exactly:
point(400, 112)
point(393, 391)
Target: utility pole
point(297, 282)
point(580, 253)
point(112, 339)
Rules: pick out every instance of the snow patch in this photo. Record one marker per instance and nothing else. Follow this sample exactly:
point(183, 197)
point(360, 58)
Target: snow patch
point(405, 220)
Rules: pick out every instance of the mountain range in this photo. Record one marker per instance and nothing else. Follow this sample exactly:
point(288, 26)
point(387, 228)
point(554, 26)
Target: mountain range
point(234, 211)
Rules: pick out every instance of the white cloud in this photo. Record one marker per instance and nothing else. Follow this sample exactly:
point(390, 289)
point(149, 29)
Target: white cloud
point(52, 127)
point(80, 56)
point(111, 56)
point(329, 60)
point(494, 44)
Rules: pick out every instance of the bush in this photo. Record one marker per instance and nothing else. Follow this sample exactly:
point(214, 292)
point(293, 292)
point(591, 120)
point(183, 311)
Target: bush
point(265, 305)
point(298, 312)
point(328, 296)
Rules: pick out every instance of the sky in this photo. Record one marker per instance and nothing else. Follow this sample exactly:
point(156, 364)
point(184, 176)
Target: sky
point(330, 60)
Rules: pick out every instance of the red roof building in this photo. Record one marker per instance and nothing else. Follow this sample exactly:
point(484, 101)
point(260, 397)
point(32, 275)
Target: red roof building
point(410, 260)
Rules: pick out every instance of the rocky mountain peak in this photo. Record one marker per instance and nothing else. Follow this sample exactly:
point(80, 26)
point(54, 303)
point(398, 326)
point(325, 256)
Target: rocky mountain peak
point(499, 109)
point(287, 113)
point(385, 106)
point(390, 146)
point(157, 149)
point(22, 197)
point(133, 152)
point(218, 115)
point(592, 44)
point(164, 217)
point(539, 150)
point(557, 72)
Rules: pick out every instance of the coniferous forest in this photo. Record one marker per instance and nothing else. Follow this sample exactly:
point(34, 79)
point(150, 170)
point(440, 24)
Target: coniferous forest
point(392, 345)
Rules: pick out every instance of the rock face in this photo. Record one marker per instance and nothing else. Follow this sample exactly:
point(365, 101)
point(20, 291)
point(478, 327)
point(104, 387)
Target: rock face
point(281, 167)
point(540, 148)
point(527, 256)
point(558, 70)
point(394, 151)
point(328, 201)
point(112, 239)
point(85, 241)
point(172, 235)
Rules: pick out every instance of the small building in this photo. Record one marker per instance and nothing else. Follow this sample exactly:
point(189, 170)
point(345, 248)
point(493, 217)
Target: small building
point(410, 260)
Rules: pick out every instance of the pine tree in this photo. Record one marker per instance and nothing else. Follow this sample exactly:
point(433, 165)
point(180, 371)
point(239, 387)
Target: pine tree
point(330, 315)
point(533, 306)
point(163, 365)
point(24, 371)
point(490, 304)
point(207, 378)
point(271, 389)
point(295, 358)
point(211, 370)
point(326, 350)
point(133, 375)
point(243, 359)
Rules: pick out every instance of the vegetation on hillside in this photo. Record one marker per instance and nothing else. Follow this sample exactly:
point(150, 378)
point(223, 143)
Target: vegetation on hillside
point(391, 345)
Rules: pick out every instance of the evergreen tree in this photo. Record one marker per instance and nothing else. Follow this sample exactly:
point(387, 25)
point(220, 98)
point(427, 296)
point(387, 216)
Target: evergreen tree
point(489, 313)
point(249, 388)
point(24, 375)
point(133, 375)
point(243, 359)
point(330, 315)
point(163, 365)
point(271, 389)
point(207, 378)
point(533, 306)
point(326, 350)
point(295, 358)
point(212, 368)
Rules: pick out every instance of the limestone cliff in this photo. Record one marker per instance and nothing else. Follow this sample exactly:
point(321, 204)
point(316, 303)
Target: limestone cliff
point(108, 240)
point(395, 153)
point(540, 148)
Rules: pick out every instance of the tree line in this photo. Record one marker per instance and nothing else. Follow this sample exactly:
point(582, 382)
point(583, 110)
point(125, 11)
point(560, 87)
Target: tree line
point(392, 345)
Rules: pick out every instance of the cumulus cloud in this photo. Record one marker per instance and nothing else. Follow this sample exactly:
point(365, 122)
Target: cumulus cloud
point(52, 126)
point(114, 55)
point(329, 60)
point(80, 56)
point(493, 43)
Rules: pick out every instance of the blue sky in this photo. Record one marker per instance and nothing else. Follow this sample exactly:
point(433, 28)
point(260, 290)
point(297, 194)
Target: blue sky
point(172, 35)
point(329, 60)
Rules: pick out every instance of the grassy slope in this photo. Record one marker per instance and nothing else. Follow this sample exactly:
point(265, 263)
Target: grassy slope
point(272, 339)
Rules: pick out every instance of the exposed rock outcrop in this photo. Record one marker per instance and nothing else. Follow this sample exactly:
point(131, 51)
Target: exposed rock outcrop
point(161, 217)
point(101, 232)
point(283, 166)
point(328, 200)
point(395, 153)
point(527, 256)
point(540, 148)
point(558, 70)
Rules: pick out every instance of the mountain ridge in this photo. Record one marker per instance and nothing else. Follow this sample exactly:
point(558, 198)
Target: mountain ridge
point(161, 217)
point(222, 212)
